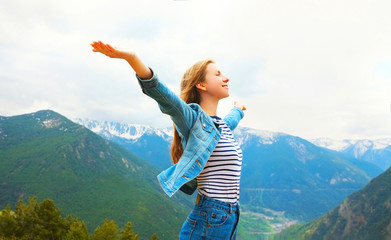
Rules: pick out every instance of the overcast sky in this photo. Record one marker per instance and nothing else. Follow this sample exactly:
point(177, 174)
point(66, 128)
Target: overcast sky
point(307, 68)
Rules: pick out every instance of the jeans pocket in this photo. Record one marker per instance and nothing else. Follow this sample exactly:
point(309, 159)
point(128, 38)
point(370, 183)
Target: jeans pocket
point(196, 216)
point(217, 217)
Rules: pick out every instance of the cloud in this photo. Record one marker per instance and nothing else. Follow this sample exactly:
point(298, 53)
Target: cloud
point(312, 69)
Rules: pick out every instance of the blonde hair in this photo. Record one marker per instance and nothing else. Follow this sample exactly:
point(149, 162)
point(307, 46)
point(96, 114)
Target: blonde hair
point(189, 94)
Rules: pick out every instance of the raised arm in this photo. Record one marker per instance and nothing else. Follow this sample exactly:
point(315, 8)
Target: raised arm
point(114, 52)
point(169, 103)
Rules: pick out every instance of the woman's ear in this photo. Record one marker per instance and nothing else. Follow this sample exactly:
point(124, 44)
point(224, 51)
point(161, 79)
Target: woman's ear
point(201, 86)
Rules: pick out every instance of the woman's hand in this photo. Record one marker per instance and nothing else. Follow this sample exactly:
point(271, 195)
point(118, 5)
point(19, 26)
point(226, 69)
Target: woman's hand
point(241, 106)
point(135, 62)
point(113, 52)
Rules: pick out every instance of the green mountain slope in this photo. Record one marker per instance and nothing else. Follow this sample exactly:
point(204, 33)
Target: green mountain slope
point(297, 177)
point(47, 155)
point(365, 214)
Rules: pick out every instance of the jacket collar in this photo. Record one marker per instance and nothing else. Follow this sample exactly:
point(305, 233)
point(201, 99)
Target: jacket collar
point(197, 107)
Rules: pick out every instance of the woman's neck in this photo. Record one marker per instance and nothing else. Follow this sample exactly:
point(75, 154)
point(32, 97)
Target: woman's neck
point(210, 106)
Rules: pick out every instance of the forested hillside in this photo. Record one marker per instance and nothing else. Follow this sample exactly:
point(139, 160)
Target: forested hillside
point(366, 214)
point(47, 155)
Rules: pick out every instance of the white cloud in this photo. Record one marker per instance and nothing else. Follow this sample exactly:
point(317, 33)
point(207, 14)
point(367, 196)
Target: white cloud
point(309, 68)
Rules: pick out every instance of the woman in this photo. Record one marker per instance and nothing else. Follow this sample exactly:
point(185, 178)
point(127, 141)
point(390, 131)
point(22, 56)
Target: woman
point(204, 152)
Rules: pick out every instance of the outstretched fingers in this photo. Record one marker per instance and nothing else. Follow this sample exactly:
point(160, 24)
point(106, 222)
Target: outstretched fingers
point(110, 51)
point(96, 47)
point(102, 48)
point(110, 48)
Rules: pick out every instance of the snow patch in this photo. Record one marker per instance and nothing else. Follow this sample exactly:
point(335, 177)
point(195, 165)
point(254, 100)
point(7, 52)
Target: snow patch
point(300, 149)
point(333, 181)
point(360, 146)
point(243, 134)
point(2, 135)
point(295, 190)
point(267, 137)
point(125, 162)
point(381, 143)
point(124, 130)
point(338, 145)
point(51, 123)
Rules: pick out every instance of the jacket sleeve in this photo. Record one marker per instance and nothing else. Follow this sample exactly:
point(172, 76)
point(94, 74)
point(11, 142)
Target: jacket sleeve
point(169, 103)
point(233, 117)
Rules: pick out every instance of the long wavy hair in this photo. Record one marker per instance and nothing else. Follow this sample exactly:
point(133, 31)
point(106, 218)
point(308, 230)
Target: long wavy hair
point(189, 94)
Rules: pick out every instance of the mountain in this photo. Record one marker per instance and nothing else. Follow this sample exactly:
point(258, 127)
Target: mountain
point(288, 173)
point(280, 172)
point(365, 214)
point(146, 142)
point(47, 155)
point(376, 151)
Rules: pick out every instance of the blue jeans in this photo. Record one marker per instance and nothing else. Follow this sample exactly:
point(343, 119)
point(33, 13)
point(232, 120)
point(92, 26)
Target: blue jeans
point(211, 219)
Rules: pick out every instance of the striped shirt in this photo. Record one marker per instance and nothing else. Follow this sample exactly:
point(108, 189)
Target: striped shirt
point(220, 178)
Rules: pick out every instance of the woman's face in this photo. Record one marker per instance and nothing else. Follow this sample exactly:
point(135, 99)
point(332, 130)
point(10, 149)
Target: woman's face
point(216, 83)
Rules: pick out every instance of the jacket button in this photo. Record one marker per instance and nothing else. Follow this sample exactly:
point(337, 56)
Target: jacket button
point(203, 125)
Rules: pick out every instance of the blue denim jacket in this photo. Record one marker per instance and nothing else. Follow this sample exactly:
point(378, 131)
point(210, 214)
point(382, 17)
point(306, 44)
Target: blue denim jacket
point(198, 131)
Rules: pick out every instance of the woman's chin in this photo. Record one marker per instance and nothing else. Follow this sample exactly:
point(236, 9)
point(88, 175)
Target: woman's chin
point(224, 96)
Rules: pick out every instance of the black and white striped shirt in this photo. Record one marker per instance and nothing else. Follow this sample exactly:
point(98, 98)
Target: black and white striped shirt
point(220, 178)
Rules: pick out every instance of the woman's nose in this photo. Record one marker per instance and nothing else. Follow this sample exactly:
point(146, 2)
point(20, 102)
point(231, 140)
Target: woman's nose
point(225, 79)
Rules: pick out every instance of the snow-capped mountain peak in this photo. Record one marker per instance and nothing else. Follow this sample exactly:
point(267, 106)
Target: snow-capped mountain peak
point(338, 145)
point(361, 145)
point(264, 137)
point(377, 151)
point(123, 130)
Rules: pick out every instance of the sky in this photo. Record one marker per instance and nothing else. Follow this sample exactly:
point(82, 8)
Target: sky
point(313, 69)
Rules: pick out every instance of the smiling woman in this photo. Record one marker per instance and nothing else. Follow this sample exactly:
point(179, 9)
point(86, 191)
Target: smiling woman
point(204, 151)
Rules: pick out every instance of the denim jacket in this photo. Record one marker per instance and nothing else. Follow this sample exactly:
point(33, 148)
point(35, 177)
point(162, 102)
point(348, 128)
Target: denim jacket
point(198, 131)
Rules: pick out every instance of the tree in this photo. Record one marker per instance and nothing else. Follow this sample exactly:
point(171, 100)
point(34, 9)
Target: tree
point(154, 237)
point(127, 233)
point(43, 221)
point(50, 224)
point(26, 217)
point(8, 224)
point(77, 230)
point(107, 231)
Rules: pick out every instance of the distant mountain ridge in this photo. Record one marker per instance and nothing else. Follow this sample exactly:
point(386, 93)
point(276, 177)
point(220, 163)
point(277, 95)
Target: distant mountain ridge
point(128, 134)
point(123, 130)
point(134, 131)
point(130, 131)
point(340, 145)
point(277, 167)
point(376, 151)
point(149, 143)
